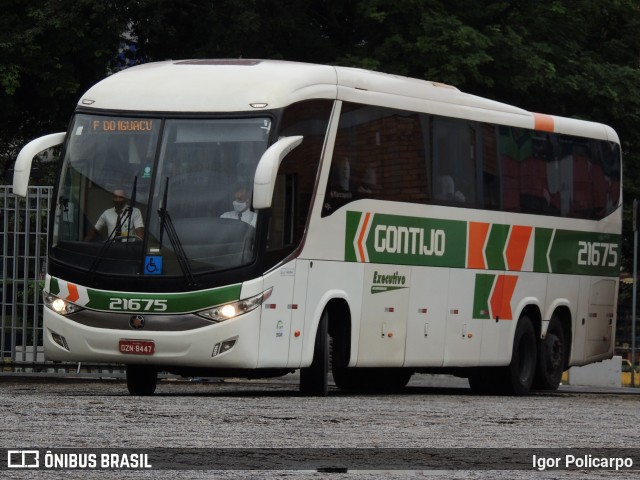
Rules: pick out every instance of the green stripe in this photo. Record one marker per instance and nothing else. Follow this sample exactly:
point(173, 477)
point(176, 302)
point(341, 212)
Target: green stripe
point(175, 302)
point(401, 240)
point(164, 303)
point(481, 292)
point(542, 239)
point(54, 286)
point(585, 253)
point(383, 288)
point(495, 247)
point(353, 220)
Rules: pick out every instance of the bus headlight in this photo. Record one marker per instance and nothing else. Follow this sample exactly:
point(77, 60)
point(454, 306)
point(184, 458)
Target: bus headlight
point(59, 305)
point(219, 313)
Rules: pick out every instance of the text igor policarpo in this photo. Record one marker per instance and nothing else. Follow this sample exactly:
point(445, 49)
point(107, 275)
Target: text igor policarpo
point(588, 462)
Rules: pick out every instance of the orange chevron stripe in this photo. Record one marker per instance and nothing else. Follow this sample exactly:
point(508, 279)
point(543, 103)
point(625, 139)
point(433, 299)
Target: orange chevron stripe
point(501, 299)
point(517, 246)
point(361, 236)
point(543, 122)
point(73, 292)
point(477, 238)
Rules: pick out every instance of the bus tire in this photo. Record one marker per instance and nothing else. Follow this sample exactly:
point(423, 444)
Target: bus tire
point(314, 380)
point(551, 354)
point(345, 379)
point(351, 379)
point(141, 380)
point(520, 373)
point(340, 359)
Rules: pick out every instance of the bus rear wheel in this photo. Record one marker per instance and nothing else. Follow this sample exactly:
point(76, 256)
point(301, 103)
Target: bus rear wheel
point(516, 378)
point(314, 380)
point(141, 380)
point(551, 355)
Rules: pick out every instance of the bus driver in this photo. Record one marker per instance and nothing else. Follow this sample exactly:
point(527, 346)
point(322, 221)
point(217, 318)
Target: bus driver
point(118, 220)
point(241, 209)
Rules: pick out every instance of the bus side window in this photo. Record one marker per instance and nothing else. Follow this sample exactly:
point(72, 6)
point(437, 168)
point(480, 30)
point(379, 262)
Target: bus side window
point(490, 168)
point(454, 161)
point(339, 187)
point(378, 154)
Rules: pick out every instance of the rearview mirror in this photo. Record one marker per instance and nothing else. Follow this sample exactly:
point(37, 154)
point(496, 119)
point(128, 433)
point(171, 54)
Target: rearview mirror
point(22, 169)
point(267, 170)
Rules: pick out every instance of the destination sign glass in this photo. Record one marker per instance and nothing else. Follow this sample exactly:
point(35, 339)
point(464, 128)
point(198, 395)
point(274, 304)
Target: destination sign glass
point(125, 125)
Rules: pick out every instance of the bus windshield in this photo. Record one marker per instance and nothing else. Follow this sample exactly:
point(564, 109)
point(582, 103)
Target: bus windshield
point(157, 196)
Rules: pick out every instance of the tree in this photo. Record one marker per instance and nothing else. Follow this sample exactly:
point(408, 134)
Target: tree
point(50, 51)
point(577, 59)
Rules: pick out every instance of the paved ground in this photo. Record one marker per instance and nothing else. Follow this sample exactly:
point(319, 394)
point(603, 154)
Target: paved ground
point(432, 412)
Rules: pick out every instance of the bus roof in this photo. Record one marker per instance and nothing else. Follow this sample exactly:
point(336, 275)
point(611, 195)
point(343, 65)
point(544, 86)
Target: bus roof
point(239, 85)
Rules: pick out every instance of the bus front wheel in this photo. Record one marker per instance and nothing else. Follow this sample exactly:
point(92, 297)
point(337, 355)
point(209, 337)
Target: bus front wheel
point(141, 379)
point(314, 379)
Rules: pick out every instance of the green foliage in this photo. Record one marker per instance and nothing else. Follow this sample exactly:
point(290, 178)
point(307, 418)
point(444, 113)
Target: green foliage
point(50, 51)
point(577, 59)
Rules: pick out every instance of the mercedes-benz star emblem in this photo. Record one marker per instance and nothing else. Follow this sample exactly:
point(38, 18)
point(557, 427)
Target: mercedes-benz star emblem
point(137, 322)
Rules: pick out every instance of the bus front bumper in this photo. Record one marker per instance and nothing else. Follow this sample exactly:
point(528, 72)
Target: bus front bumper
point(229, 344)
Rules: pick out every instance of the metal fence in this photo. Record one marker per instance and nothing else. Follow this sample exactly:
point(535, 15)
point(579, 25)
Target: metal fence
point(23, 245)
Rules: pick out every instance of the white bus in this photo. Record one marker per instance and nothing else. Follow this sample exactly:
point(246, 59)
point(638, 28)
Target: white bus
point(285, 216)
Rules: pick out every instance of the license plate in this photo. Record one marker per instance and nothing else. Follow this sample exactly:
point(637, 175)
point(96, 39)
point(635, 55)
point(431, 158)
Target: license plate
point(137, 347)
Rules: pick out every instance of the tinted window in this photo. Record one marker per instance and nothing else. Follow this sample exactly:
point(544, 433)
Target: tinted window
point(548, 173)
point(388, 154)
point(379, 153)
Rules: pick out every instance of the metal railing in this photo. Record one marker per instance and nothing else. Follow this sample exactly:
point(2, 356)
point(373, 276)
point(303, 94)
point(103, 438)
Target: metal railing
point(23, 248)
point(23, 243)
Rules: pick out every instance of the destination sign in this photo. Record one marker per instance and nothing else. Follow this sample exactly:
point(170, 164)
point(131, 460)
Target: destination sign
point(121, 126)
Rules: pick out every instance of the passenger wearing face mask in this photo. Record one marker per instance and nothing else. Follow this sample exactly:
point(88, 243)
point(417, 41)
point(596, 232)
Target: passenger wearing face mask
point(118, 221)
point(241, 209)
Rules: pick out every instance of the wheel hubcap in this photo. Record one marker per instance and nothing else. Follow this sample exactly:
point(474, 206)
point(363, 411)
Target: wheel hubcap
point(553, 353)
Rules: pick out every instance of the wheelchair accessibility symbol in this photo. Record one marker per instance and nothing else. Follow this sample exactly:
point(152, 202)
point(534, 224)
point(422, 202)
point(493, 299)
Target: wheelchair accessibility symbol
point(153, 265)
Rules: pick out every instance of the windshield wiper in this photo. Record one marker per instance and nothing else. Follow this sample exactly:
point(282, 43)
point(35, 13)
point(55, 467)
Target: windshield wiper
point(166, 223)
